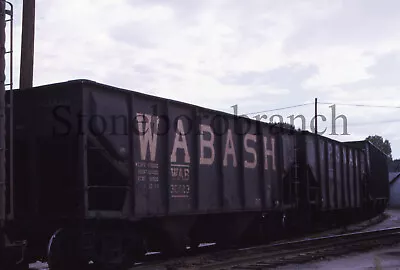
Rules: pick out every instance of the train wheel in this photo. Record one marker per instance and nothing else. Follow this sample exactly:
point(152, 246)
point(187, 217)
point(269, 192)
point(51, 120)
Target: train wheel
point(117, 252)
point(62, 251)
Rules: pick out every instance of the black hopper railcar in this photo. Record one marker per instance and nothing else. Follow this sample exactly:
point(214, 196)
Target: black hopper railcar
point(106, 174)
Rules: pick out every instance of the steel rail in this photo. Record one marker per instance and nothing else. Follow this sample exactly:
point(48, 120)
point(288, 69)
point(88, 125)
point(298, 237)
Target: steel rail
point(314, 247)
point(227, 259)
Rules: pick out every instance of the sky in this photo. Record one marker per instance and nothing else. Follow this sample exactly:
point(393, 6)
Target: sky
point(255, 55)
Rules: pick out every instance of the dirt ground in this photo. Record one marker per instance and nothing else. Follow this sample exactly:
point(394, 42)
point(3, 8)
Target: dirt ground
point(383, 258)
point(386, 258)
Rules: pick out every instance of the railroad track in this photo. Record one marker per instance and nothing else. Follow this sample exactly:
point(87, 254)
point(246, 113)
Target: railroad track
point(270, 256)
point(211, 252)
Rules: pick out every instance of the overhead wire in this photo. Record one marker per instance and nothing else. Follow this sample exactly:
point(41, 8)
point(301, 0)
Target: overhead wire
point(373, 123)
point(282, 108)
point(360, 105)
point(342, 104)
point(326, 103)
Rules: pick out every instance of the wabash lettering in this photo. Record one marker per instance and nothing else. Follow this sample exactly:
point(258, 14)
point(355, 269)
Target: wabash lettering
point(180, 172)
point(206, 144)
point(147, 170)
point(180, 142)
point(148, 146)
point(148, 136)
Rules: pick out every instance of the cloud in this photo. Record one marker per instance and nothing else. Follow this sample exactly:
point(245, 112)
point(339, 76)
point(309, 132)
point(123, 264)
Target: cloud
point(259, 54)
point(288, 77)
point(383, 73)
point(351, 23)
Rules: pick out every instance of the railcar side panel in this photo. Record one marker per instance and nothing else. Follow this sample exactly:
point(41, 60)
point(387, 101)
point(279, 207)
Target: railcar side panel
point(149, 145)
point(286, 161)
point(324, 179)
point(288, 146)
point(376, 169)
point(330, 174)
point(172, 167)
point(346, 181)
point(341, 179)
point(232, 195)
point(108, 175)
point(338, 176)
point(344, 168)
point(355, 173)
point(210, 163)
point(250, 163)
point(311, 154)
point(313, 159)
point(363, 177)
point(272, 176)
point(181, 142)
point(379, 186)
point(357, 177)
point(351, 176)
point(46, 155)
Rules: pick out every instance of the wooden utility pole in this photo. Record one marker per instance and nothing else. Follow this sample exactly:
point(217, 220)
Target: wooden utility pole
point(27, 44)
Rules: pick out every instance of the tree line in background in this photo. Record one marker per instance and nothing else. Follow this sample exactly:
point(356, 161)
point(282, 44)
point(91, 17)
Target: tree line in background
point(385, 147)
